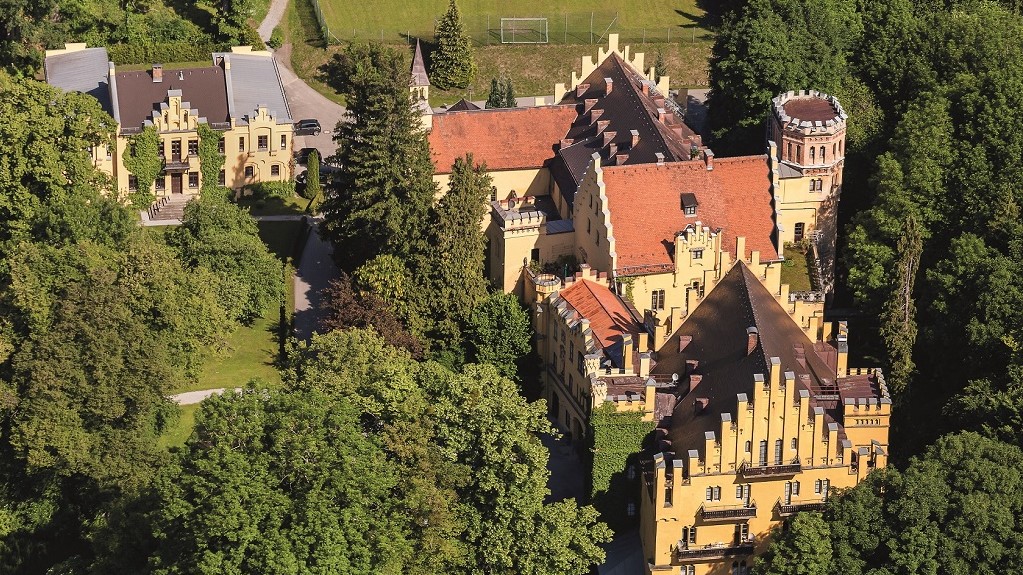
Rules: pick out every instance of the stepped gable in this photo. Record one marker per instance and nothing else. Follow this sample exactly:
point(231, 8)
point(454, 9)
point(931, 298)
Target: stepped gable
point(719, 343)
point(628, 105)
point(646, 207)
point(504, 138)
point(203, 88)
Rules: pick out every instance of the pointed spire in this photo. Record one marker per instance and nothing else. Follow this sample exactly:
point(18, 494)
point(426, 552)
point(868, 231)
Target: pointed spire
point(419, 77)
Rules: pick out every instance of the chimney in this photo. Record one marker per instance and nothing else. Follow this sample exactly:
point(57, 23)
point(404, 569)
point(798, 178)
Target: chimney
point(661, 114)
point(621, 159)
point(694, 380)
point(752, 336)
point(660, 158)
point(581, 89)
point(595, 115)
point(157, 73)
point(646, 88)
point(708, 157)
point(566, 142)
point(700, 404)
point(608, 85)
point(683, 342)
point(588, 104)
point(659, 101)
point(635, 137)
point(601, 124)
point(644, 364)
point(627, 351)
point(612, 149)
point(608, 136)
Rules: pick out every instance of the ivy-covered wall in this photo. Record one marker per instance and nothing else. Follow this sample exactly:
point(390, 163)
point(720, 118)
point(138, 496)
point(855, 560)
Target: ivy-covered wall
point(617, 438)
point(211, 161)
point(142, 159)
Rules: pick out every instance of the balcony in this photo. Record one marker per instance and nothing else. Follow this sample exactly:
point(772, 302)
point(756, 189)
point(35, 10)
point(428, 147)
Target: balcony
point(175, 165)
point(750, 471)
point(793, 508)
point(728, 512)
point(686, 553)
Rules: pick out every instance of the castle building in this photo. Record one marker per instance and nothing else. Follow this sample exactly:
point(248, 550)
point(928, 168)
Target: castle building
point(239, 95)
point(681, 309)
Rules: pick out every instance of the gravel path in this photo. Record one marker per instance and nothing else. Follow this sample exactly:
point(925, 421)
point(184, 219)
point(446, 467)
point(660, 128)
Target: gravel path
point(273, 18)
point(193, 397)
point(315, 270)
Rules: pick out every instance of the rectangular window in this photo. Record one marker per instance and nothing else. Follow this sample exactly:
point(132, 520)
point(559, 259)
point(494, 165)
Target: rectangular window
point(249, 171)
point(738, 491)
point(817, 486)
point(777, 452)
point(221, 146)
point(193, 147)
point(241, 144)
point(795, 488)
point(692, 534)
point(193, 179)
point(743, 532)
point(579, 362)
point(763, 452)
point(698, 254)
point(110, 152)
point(284, 141)
point(657, 299)
point(717, 494)
point(794, 443)
point(710, 494)
point(160, 183)
point(263, 143)
point(222, 178)
point(275, 170)
point(133, 183)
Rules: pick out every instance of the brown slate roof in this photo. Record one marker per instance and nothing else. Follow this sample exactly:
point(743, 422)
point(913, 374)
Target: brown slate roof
point(719, 343)
point(505, 138)
point(646, 208)
point(419, 76)
point(203, 88)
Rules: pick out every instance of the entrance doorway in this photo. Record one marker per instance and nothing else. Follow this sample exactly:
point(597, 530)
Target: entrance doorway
point(799, 232)
point(175, 183)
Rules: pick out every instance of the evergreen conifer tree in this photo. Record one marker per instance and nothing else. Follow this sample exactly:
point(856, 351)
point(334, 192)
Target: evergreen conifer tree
point(384, 188)
point(509, 95)
point(312, 183)
point(496, 97)
point(661, 69)
point(452, 62)
point(451, 271)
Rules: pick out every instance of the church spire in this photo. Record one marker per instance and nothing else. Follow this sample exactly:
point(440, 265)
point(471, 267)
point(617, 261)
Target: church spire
point(419, 77)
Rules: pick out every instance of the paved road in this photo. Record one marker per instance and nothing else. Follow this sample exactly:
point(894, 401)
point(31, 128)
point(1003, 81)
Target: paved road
point(193, 397)
point(315, 270)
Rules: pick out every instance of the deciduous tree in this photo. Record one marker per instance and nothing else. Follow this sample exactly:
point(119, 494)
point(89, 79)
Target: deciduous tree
point(499, 333)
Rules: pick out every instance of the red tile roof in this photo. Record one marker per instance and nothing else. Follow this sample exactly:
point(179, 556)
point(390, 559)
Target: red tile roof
point(609, 318)
point(506, 139)
point(646, 208)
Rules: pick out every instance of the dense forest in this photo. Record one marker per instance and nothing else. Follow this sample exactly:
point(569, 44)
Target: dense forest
point(932, 250)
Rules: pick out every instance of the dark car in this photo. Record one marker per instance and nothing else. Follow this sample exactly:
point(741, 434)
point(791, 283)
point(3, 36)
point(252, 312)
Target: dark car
point(303, 155)
point(307, 128)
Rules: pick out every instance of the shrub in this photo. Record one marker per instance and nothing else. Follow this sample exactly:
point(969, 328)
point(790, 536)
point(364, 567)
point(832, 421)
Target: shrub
point(250, 36)
point(161, 52)
point(264, 190)
point(276, 38)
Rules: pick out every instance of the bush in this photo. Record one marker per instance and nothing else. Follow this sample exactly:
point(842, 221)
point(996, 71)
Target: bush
point(161, 52)
point(276, 38)
point(250, 36)
point(264, 190)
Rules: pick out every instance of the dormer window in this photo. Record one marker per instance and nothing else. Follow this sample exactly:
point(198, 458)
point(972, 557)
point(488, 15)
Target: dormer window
point(689, 204)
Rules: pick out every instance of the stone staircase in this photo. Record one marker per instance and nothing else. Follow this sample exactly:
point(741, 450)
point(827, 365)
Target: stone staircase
point(169, 207)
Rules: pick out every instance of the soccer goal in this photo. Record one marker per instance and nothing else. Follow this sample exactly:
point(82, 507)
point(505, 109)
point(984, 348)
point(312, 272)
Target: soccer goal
point(524, 31)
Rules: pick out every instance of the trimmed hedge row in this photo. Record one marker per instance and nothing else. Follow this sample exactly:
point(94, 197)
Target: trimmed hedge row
point(162, 52)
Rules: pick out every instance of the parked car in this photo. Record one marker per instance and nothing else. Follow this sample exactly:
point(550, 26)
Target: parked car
point(307, 127)
point(302, 156)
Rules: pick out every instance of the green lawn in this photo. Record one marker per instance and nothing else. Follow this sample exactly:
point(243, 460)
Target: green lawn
point(568, 21)
point(794, 270)
point(176, 435)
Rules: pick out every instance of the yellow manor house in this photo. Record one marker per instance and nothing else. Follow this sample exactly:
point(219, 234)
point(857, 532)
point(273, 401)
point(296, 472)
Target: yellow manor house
point(239, 95)
point(679, 310)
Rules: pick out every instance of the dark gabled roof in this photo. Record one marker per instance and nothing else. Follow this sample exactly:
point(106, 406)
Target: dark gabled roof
point(463, 105)
point(419, 76)
point(718, 328)
point(84, 71)
point(203, 88)
point(254, 82)
point(630, 106)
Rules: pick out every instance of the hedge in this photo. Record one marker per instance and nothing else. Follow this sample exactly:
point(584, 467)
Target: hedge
point(164, 52)
point(617, 440)
point(265, 190)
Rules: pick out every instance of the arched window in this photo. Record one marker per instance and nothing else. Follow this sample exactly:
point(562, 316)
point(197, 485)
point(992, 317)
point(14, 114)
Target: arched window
point(749, 446)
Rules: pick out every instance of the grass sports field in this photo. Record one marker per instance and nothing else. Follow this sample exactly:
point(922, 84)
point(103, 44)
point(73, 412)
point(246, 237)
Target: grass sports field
point(568, 21)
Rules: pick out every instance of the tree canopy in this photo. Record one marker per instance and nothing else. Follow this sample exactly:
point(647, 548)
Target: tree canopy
point(452, 64)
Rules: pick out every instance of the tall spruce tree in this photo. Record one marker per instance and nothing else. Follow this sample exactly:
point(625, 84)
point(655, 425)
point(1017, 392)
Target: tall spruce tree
point(898, 321)
point(451, 271)
point(509, 95)
point(496, 97)
point(452, 63)
point(384, 188)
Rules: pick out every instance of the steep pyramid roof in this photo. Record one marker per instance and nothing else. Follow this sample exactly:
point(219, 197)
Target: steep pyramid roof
point(419, 77)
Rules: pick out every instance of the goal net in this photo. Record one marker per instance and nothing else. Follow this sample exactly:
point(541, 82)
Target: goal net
point(524, 31)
